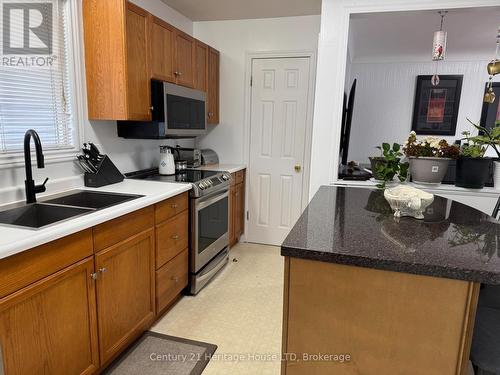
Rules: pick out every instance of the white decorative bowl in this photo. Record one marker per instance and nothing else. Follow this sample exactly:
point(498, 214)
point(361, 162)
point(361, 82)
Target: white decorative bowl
point(408, 201)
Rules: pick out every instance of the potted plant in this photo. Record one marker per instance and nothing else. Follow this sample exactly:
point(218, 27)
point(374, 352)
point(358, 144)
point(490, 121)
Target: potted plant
point(429, 158)
point(472, 166)
point(390, 165)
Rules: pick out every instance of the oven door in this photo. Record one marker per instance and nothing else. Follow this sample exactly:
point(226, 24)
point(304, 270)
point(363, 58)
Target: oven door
point(210, 218)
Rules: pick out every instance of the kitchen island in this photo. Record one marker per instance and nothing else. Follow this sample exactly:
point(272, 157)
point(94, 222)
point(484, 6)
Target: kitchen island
point(368, 294)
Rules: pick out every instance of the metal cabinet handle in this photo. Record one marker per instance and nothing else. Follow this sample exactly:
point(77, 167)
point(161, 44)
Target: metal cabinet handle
point(175, 279)
point(103, 269)
point(175, 237)
point(210, 114)
point(179, 73)
point(93, 275)
point(174, 205)
point(151, 108)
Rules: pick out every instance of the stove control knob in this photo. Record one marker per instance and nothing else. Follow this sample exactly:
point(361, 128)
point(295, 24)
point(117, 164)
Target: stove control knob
point(209, 182)
point(225, 177)
point(201, 185)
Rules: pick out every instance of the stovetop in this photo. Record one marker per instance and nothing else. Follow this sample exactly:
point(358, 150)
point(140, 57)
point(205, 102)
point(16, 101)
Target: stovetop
point(204, 182)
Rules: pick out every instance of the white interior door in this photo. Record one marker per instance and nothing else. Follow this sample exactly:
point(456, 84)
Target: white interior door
point(278, 124)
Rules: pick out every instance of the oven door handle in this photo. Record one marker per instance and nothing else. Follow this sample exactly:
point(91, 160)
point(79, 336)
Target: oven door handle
point(202, 203)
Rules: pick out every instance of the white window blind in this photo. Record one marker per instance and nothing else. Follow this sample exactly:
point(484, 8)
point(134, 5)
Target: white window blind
point(34, 93)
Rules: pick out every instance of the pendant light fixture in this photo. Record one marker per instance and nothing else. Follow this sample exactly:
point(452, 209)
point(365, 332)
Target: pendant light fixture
point(493, 69)
point(439, 47)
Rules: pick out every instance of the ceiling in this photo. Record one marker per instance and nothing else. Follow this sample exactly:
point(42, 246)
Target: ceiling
point(407, 36)
point(214, 10)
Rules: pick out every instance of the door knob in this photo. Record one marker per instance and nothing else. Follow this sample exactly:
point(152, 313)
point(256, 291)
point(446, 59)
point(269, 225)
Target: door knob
point(298, 168)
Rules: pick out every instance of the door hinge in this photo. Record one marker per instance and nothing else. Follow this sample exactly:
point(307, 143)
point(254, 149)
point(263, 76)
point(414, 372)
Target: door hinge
point(251, 81)
point(248, 215)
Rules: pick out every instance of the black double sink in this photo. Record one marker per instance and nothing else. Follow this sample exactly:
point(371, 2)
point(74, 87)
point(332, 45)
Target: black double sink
point(62, 207)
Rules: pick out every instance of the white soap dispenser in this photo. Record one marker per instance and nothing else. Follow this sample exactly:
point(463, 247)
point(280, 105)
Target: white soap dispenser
point(167, 164)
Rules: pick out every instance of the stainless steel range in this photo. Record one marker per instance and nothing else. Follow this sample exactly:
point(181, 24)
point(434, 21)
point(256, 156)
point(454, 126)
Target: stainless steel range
point(209, 218)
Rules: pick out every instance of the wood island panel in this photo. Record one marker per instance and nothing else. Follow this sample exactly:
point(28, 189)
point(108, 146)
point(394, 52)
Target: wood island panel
point(388, 322)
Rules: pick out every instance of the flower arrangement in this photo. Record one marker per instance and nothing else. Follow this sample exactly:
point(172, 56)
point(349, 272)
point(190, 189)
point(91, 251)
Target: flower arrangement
point(429, 147)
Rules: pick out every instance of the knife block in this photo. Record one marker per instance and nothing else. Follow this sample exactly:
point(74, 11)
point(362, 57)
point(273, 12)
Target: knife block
point(106, 174)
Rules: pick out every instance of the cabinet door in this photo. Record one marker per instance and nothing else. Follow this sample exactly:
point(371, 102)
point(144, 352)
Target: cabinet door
point(50, 327)
point(240, 210)
point(125, 292)
point(162, 50)
point(138, 83)
point(201, 67)
point(185, 59)
point(213, 87)
point(232, 215)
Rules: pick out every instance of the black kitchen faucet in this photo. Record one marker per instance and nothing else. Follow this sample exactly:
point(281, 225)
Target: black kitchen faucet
point(31, 188)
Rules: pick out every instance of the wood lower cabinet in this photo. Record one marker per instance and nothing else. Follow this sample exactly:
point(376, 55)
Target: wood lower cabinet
point(72, 305)
point(125, 292)
point(171, 279)
point(49, 327)
point(162, 50)
point(213, 86)
point(237, 207)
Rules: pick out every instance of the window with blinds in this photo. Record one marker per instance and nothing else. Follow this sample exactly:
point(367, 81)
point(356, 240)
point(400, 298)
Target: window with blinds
point(35, 87)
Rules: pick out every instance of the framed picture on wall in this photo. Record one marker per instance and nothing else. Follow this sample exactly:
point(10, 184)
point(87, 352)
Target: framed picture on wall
point(491, 111)
point(435, 109)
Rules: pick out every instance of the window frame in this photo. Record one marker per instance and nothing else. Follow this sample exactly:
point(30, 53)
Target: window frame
point(75, 71)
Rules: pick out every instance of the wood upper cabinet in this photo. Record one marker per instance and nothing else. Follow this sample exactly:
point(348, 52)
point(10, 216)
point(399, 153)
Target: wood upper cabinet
point(213, 86)
point(138, 84)
point(185, 59)
point(125, 292)
point(162, 50)
point(49, 327)
point(201, 67)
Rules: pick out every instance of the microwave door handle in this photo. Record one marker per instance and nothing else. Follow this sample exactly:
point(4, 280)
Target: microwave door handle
point(210, 200)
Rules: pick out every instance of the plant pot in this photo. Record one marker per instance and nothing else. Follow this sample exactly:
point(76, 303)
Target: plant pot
point(428, 170)
point(472, 173)
point(496, 174)
point(375, 161)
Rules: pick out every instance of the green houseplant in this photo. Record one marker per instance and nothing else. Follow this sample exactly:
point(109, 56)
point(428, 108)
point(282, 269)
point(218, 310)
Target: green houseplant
point(429, 158)
point(389, 165)
point(472, 166)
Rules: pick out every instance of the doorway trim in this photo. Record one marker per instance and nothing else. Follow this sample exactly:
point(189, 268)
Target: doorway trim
point(306, 169)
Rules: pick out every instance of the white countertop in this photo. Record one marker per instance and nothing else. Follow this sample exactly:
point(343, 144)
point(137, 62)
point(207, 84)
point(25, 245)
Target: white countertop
point(231, 168)
point(14, 240)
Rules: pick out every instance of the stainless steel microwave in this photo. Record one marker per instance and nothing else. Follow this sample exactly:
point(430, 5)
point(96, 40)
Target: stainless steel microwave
point(176, 112)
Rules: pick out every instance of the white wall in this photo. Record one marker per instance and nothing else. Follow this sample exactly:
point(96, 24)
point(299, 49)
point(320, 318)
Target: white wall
point(128, 155)
point(385, 95)
point(234, 39)
point(330, 77)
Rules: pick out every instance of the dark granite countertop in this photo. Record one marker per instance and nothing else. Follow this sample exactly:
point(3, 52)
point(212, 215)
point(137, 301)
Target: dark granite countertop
point(355, 226)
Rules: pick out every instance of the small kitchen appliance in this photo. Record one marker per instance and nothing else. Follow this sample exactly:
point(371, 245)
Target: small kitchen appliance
point(167, 164)
point(209, 157)
point(191, 155)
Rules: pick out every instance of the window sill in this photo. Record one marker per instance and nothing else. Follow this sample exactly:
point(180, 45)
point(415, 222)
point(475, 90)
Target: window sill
point(55, 156)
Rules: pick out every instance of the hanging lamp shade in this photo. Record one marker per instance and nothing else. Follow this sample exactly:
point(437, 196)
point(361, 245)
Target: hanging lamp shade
point(439, 45)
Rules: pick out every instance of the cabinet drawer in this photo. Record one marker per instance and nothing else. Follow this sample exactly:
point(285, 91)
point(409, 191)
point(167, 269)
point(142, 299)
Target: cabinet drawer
point(171, 207)
point(171, 279)
point(171, 238)
point(32, 265)
point(116, 230)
